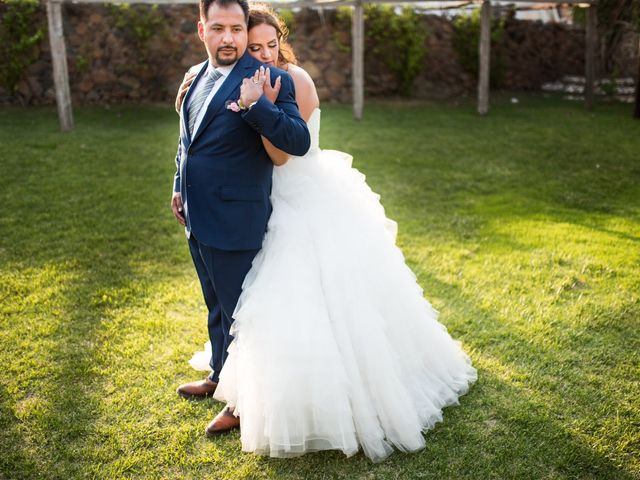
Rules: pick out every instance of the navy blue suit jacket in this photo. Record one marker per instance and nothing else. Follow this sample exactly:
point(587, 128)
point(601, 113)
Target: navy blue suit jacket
point(224, 173)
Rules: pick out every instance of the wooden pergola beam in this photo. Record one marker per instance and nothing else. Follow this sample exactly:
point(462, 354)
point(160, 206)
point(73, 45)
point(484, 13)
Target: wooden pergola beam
point(60, 70)
point(591, 44)
point(322, 3)
point(357, 70)
point(485, 57)
point(636, 110)
point(149, 2)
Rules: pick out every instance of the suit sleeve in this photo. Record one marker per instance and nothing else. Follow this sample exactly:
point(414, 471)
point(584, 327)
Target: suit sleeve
point(281, 122)
point(176, 177)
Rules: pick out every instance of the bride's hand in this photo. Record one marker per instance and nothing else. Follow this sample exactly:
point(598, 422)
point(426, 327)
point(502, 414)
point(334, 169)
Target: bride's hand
point(271, 92)
point(182, 90)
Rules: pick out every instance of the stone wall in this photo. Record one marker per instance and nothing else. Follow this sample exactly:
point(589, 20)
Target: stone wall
point(106, 66)
point(539, 53)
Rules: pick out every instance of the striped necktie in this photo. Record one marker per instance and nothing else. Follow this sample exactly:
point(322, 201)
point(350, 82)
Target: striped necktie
point(197, 102)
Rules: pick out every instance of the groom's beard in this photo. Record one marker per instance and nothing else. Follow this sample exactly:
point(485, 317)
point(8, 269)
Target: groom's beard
point(227, 60)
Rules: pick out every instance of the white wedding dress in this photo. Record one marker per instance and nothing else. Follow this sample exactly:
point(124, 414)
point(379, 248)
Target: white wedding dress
point(335, 346)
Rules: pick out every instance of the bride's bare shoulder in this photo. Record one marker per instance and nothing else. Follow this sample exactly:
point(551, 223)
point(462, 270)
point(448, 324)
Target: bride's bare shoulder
point(299, 74)
point(305, 87)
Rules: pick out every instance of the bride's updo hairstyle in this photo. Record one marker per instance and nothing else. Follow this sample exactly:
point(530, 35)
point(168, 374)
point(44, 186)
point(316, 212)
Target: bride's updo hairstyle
point(261, 13)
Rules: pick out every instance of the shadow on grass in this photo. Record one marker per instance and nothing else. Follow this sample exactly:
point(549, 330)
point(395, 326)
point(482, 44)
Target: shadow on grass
point(512, 423)
point(76, 207)
point(18, 461)
point(500, 431)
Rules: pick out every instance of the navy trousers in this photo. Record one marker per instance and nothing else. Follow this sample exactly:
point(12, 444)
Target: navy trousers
point(221, 274)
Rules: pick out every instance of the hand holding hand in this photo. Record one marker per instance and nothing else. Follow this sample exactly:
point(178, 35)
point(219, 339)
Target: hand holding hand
point(177, 207)
point(182, 90)
point(252, 88)
point(271, 92)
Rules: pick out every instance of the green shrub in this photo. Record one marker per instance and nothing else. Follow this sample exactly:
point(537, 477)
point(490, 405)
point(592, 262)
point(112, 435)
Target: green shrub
point(466, 42)
point(343, 29)
point(19, 35)
point(288, 17)
point(140, 23)
point(398, 39)
point(394, 36)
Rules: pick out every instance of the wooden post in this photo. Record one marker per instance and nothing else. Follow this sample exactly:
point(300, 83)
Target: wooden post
point(636, 112)
point(59, 60)
point(485, 57)
point(591, 44)
point(357, 40)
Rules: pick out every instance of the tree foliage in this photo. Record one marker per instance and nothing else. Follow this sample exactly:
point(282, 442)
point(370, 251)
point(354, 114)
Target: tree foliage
point(140, 23)
point(19, 36)
point(466, 43)
point(396, 37)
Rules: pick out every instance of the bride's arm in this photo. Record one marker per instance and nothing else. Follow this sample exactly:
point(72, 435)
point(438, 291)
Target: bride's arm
point(278, 157)
point(307, 100)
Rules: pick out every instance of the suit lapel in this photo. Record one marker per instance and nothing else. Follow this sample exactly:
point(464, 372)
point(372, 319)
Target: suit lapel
point(233, 80)
point(184, 113)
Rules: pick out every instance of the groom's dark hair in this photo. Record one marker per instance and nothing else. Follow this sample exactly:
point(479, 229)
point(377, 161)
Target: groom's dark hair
point(205, 4)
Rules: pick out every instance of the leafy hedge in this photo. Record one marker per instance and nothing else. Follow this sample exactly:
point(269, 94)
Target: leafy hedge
point(396, 37)
point(466, 42)
point(20, 33)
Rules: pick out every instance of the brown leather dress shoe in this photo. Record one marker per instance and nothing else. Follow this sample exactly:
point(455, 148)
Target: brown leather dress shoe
point(198, 389)
point(224, 422)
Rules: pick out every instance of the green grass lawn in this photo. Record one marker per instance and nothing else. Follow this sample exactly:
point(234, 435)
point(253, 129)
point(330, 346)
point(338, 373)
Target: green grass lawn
point(523, 228)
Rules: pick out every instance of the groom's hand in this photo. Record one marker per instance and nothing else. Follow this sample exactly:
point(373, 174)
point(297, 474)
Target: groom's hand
point(252, 88)
point(177, 207)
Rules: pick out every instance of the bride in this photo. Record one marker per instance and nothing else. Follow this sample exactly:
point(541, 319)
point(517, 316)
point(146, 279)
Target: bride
point(334, 345)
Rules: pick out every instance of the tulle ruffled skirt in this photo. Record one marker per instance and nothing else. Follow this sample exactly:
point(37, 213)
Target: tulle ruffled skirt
point(335, 346)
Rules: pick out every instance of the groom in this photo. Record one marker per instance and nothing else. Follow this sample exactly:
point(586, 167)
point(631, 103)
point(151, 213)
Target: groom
point(223, 178)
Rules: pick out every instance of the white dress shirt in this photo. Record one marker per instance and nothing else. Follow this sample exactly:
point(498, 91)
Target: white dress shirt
point(225, 71)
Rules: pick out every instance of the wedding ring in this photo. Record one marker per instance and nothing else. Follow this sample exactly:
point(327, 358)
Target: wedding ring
point(255, 81)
